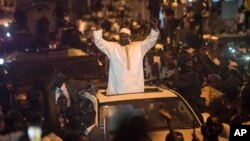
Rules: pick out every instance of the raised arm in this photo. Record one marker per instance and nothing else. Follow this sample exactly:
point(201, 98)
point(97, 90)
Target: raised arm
point(150, 41)
point(102, 44)
point(168, 117)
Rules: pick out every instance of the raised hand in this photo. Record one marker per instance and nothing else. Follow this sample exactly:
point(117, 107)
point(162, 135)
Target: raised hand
point(101, 23)
point(154, 23)
point(165, 114)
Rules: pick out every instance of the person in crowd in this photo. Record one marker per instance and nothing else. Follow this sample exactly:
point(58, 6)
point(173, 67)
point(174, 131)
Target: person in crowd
point(168, 68)
point(40, 109)
point(42, 30)
point(51, 129)
point(136, 130)
point(231, 87)
point(62, 87)
point(73, 128)
point(245, 103)
point(211, 92)
point(36, 102)
point(132, 129)
point(21, 104)
point(172, 135)
point(223, 109)
point(212, 129)
point(88, 117)
point(246, 5)
point(72, 115)
point(19, 116)
point(62, 104)
point(50, 125)
point(154, 8)
point(187, 82)
point(201, 7)
point(126, 59)
point(240, 19)
point(7, 136)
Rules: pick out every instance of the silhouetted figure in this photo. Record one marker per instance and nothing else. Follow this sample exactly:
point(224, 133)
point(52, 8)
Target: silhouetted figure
point(133, 129)
point(212, 129)
point(68, 87)
point(154, 8)
point(187, 83)
point(88, 116)
point(170, 137)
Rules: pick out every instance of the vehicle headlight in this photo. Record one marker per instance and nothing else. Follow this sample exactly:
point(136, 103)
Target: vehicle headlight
point(1, 61)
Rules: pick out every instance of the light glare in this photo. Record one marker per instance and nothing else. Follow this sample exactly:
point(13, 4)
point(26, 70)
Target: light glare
point(6, 25)
point(1, 61)
point(8, 34)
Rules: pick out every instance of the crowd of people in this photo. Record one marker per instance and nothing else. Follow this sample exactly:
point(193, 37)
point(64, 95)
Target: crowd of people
point(55, 109)
point(212, 77)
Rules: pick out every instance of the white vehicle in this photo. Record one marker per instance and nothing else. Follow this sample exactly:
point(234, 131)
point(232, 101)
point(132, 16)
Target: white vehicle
point(111, 110)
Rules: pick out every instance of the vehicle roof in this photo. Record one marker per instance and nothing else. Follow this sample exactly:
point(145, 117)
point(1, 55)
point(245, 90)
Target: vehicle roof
point(148, 94)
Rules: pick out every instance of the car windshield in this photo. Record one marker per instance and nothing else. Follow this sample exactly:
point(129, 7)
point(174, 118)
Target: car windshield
point(112, 114)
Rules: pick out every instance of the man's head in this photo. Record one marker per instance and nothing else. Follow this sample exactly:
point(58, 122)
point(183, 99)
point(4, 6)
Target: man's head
point(185, 62)
point(21, 100)
point(57, 79)
point(212, 128)
point(214, 80)
point(35, 98)
point(124, 36)
point(170, 136)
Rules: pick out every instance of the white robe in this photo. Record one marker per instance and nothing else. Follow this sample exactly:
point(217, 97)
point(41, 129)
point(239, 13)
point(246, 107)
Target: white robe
point(126, 69)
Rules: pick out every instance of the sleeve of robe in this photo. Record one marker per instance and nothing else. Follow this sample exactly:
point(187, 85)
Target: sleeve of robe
point(102, 44)
point(149, 42)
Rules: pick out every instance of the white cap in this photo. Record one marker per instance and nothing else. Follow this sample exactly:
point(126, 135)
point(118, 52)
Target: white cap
point(125, 30)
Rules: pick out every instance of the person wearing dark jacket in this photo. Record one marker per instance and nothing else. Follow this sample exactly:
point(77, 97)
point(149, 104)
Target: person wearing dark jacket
point(69, 88)
point(187, 82)
point(88, 114)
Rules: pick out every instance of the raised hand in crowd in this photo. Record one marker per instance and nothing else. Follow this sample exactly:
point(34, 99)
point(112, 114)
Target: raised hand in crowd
point(154, 23)
point(172, 134)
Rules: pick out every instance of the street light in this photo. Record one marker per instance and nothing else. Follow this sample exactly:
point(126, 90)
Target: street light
point(1, 61)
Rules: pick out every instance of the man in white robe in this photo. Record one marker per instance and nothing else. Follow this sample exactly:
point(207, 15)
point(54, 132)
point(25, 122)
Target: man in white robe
point(126, 60)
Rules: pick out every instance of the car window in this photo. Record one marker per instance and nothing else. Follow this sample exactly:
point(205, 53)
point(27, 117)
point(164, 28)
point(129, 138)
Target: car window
point(113, 114)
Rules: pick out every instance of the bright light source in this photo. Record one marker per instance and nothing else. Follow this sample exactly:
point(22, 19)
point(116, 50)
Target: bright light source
point(1, 61)
point(233, 50)
point(247, 58)
point(6, 25)
point(8, 34)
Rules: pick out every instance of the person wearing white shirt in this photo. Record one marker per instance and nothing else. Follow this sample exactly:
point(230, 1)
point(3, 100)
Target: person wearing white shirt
point(126, 59)
point(62, 91)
